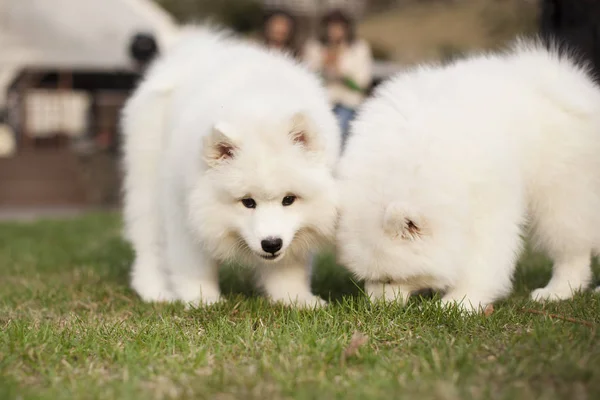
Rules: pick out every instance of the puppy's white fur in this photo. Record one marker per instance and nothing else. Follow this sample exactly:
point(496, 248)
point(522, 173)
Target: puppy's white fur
point(217, 120)
point(446, 164)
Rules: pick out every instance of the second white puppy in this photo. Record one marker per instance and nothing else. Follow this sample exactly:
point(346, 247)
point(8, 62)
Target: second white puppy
point(446, 164)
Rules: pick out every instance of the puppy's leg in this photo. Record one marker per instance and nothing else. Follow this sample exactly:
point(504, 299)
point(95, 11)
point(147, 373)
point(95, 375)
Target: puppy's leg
point(198, 287)
point(571, 273)
point(480, 288)
point(392, 291)
point(565, 224)
point(476, 291)
point(194, 275)
point(494, 248)
point(148, 278)
point(289, 283)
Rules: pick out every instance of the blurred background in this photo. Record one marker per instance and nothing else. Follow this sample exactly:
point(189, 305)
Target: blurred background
point(67, 66)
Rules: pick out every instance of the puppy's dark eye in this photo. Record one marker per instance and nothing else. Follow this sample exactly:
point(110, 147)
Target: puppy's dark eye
point(288, 200)
point(249, 202)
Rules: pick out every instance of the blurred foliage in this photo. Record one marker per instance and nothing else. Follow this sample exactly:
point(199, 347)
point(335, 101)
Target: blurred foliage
point(241, 15)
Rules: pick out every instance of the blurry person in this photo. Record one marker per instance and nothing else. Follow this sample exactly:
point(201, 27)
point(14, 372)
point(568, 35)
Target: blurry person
point(279, 31)
point(344, 61)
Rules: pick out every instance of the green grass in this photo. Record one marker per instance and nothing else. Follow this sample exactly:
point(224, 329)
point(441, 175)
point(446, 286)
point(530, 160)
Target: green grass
point(71, 328)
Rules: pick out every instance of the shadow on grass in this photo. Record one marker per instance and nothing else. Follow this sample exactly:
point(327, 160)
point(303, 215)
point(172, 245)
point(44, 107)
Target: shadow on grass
point(329, 280)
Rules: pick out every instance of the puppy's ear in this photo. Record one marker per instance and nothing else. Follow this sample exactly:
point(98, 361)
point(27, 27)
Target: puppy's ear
point(302, 132)
point(400, 222)
point(218, 146)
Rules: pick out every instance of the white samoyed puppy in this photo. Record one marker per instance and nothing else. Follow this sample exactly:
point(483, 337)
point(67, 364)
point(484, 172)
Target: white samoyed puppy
point(446, 164)
point(229, 151)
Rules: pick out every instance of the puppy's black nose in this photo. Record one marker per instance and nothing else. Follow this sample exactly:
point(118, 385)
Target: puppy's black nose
point(271, 245)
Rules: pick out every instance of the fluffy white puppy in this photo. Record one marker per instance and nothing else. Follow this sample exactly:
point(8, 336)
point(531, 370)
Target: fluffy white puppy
point(446, 164)
point(228, 155)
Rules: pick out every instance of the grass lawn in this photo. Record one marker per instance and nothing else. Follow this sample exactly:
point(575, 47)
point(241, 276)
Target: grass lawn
point(71, 328)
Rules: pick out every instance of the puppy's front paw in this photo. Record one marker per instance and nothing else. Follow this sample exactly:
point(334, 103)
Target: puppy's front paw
point(202, 302)
point(152, 291)
point(377, 291)
point(302, 301)
point(549, 295)
point(464, 303)
point(195, 293)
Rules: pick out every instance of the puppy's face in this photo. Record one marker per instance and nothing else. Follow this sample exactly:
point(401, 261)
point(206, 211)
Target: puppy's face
point(269, 192)
point(269, 224)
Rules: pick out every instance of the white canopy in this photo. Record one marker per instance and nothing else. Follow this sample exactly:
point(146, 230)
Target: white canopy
point(74, 34)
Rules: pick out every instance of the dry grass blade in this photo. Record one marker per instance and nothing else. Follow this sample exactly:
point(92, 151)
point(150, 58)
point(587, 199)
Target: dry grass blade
point(562, 317)
point(356, 342)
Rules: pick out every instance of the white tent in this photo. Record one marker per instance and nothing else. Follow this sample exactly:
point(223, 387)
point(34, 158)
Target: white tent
point(74, 34)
